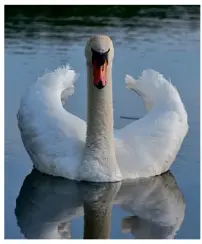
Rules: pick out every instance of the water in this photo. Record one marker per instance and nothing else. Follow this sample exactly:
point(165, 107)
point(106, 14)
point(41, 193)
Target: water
point(52, 207)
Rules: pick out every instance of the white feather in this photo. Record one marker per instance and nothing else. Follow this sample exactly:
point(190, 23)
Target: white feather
point(53, 137)
point(149, 145)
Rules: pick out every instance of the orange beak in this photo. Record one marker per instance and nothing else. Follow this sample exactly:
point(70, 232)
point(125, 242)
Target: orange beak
point(99, 74)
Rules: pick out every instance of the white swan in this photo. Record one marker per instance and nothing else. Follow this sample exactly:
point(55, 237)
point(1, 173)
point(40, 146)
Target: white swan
point(62, 144)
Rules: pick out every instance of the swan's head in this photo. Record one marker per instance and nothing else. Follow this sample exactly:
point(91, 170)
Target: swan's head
point(99, 53)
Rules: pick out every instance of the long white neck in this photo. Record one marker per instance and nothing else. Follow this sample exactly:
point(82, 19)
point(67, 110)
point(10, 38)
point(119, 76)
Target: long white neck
point(99, 153)
point(100, 112)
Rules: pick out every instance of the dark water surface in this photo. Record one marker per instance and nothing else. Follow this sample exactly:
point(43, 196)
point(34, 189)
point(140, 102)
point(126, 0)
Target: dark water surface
point(165, 39)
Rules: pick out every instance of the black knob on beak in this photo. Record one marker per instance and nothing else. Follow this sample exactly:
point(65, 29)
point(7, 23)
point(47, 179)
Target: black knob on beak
point(99, 57)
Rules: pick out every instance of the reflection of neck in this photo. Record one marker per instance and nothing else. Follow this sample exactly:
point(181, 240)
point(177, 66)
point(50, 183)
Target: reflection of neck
point(97, 220)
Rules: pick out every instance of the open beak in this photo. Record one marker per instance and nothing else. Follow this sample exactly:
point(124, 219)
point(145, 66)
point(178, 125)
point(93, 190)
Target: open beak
point(99, 74)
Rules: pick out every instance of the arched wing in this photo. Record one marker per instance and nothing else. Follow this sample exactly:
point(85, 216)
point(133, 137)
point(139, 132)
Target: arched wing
point(52, 136)
point(148, 146)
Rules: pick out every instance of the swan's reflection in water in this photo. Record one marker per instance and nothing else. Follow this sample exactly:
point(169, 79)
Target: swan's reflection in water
point(47, 205)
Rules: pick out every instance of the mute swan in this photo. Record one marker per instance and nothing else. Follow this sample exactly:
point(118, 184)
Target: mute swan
point(61, 144)
point(47, 205)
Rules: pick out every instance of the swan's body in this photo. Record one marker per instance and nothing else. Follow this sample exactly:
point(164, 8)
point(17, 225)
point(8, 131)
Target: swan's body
point(62, 144)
